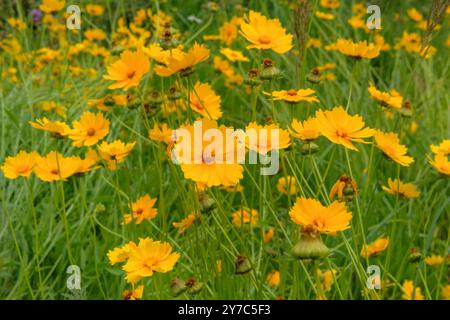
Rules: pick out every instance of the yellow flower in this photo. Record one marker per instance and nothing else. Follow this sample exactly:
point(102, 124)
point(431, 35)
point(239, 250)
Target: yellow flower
point(185, 223)
point(183, 62)
point(205, 101)
point(148, 257)
point(357, 50)
point(17, 23)
point(327, 278)
point(89, 130)
point(128, 70)
point(268, 235)
point(134, 294)
point(374, 248)
point(445, 293)
point(55, 167)
point(233, 55)
point(406, 190)
point(21, 165)
point(259, 138)
point(314, 43)
point(121, 254)
point(57, 129)
point(273, 278)
point(115, 152)
point(95, 34)
point(330, 4)
point(287, 185)
point(389, 143)
point(49, 6)
point(209, 164)
point(265, 33)
point(313, 216)
point(344, 187)
point(94, 9)
point(142, 209)
point(379, 41)
point(294, 96)
point(244, 216)
point(161, 132)
point(434, 260)
point(410, 292)
point(414, 14)
point(443, 148)
point(441, 163)
point(307, 130)
point(341, 128)
point(386, 99)
point(356, 22)
point(324, 15)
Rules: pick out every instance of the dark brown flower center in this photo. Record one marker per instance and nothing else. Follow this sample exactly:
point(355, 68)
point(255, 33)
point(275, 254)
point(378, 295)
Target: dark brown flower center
point(91, 132)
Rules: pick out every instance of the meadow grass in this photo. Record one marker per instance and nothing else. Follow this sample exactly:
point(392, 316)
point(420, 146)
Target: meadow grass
point(45, 227)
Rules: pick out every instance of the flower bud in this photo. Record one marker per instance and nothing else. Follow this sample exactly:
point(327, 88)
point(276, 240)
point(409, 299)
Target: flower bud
point(207, 204)
point(309, 148)
point(310, 246)
point(194, 286)
point(414, 256)
point(178, 286)
point(109, 101)
point(243, 265)
point(269, 71)
point(314, 76)
point(174, 93)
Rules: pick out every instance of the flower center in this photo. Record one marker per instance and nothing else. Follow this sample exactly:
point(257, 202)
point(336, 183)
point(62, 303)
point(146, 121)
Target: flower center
point(291, 92)
point(264, 39)
point(22, 169)
point(91, 132)
point(196, 104)
point(319, 223)
point(139, 211)
point(341, 133)
point(131, 74)
point(55, 171)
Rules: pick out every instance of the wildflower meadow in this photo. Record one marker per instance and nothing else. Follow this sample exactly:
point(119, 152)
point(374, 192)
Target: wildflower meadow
point(269, 150)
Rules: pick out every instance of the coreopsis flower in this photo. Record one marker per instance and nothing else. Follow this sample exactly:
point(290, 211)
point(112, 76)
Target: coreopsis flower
point(95, 34)
point(316, 218)
point(21, 165)
point(441, 164)
point(161, 132)
point(227, 32)
point(287, 185)
point(386, 99)
point(442, 148)
point(263, 139)
point(148, 257)
point(121, 254)
point(128, 70)
point(133, 294)
point(90, 129)
point(115, 152)
point(375, 247)
point(94, 9)
point(445, 292)
point(410, 291)
point(57, 129)
point(264, 33)
point(379, 41)
point(183, 62)
point(17, 23)
point(205, 101)
point(273, 278)
point(357, 50)
point(405, 190)
point(307, 130)
point(294, 96)
point(185, 223)
point(55, 167)
point(330, 4)
point(414, 14)
point(341, 128)
point(142, 209)
point(314, 43)
point(233, 55)
point(345, 187)
point(434, 260)
point(245, 216)
point(327, 277)
point(213, 164)
point(268, 235)
point(389, 143)
point(49, 6)
point(324, 15)
point(87, 164)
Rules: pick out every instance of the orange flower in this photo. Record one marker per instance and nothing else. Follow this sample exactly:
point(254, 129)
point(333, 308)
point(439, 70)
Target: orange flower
point(57, 129)
point(55, 167)
point(142, 209)
point(21, 165)
point(389, 143)
point(89, 130)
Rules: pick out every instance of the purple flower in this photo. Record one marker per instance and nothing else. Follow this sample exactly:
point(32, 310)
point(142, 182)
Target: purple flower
point(37, 15)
